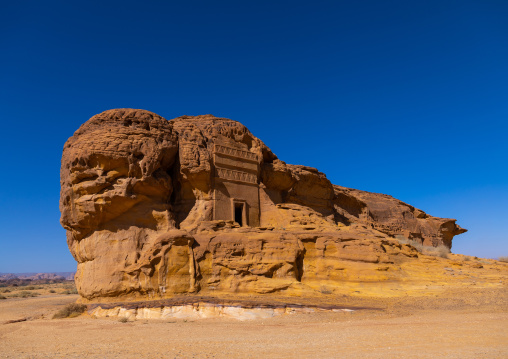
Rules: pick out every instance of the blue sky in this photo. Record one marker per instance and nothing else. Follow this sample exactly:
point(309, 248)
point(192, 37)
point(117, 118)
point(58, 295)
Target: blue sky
point(407, 98)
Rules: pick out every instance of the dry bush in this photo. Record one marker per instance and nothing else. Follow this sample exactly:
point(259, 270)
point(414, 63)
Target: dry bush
point(2, 297)
point(439, 251)
point(413, 243)
point(70, 291)
point(123, 320)
point(503, 259)
point(325, 290)
point(25, 294)
point(70, 311)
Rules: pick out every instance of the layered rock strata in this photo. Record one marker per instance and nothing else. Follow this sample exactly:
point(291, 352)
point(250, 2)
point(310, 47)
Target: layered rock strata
point(156, 208)
point(202, 308)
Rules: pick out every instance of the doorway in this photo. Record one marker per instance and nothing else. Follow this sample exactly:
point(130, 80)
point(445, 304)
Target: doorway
point(239, 213)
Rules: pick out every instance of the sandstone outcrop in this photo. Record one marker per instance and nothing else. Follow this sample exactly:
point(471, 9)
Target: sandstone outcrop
point(156, 208)
point(393, 217)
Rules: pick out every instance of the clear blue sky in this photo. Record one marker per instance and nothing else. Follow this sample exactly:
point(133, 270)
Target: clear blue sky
point(407, 98)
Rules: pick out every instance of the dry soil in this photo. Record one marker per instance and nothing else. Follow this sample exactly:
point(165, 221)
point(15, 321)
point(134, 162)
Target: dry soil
point(453, 324)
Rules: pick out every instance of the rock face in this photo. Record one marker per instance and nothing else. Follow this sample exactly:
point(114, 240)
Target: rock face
point(155, 208)
point(393, 217)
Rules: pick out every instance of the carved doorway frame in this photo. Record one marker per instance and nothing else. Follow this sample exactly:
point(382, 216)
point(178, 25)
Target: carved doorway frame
point(234, 204)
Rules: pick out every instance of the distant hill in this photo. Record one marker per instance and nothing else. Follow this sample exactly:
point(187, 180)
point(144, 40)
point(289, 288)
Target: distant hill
point(38, 276)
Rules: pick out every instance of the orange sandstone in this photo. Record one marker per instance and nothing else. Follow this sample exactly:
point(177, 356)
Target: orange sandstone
point(155, 208)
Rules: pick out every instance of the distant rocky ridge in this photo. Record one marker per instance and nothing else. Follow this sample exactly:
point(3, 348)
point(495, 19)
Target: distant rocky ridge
point(38, 276)
point(156, 208)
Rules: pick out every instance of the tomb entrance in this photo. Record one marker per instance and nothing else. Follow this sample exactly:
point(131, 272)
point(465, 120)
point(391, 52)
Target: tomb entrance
point(235, 184)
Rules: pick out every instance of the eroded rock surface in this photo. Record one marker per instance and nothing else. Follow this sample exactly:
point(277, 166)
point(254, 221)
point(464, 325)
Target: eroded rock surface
point(155, 208)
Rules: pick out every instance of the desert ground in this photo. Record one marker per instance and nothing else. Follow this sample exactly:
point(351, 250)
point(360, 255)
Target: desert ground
point(454, 323)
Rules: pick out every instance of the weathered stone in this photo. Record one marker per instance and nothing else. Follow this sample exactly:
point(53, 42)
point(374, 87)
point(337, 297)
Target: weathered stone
point(156, 208)
point(394, 217)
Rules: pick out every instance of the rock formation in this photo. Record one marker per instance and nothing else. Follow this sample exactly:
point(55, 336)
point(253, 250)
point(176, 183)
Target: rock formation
point(155, 208)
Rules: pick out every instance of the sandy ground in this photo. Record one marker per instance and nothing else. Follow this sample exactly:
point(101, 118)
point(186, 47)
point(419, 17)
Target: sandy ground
point(452, 325)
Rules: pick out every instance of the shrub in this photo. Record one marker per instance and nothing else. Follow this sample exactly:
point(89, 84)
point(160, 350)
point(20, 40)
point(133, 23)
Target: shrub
point(439, 251)
point(123, 320)
point(443, 252)
point(52, 291)
point(24, 294)
point(503, 259)
point(2, 297)
point(27, 294)
point(414, 243)
point(70, 311)
point(70, 291)
point(325, 290)
point(33, 287)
